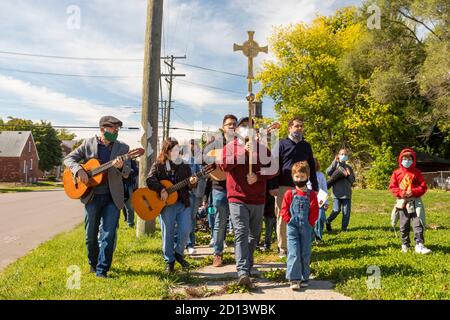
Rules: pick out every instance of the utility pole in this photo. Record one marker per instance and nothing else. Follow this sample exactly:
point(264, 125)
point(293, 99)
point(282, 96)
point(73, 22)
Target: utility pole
point(150, 94)
point(169, 79)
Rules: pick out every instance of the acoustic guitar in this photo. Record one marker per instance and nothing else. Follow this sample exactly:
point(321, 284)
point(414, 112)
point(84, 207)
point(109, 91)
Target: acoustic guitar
point(148, 204)
point(76, 189)
point(218, 174)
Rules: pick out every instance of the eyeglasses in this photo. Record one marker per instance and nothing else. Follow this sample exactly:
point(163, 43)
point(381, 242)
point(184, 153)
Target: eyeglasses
point(230, 124)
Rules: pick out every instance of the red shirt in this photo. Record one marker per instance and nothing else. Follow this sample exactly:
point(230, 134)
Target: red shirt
point(313, 206)
point(238, 190)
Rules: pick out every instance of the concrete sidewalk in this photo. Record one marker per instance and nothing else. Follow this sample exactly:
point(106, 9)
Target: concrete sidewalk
point(215, 279)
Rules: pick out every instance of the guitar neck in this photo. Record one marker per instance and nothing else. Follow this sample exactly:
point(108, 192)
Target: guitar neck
point(106, 166)
point(184, 182)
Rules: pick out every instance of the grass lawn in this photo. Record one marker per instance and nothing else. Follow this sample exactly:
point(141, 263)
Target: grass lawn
point(343, 258)
point(21, 187)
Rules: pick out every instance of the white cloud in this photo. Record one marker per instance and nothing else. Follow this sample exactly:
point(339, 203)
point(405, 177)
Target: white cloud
point(75, 110)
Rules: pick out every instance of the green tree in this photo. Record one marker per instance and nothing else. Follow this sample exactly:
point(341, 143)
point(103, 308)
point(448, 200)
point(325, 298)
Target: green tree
point(305, 79)
point(64, 134)
point(371, 90)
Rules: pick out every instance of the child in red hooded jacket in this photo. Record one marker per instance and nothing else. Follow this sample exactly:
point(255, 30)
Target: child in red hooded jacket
point(407, 185)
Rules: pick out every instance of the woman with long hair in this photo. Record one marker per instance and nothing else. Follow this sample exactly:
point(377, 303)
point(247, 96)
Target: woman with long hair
point(169, 166)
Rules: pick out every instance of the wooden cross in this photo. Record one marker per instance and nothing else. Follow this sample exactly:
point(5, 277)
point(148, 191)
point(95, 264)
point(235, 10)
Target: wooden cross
point(250, 49)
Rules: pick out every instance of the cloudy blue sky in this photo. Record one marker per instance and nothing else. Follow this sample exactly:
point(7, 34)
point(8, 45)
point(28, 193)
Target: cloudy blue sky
point(203, 30)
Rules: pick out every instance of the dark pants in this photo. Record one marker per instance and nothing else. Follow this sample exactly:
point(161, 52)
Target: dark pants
point(101, 207)
point(270, 227)
point(405, 227)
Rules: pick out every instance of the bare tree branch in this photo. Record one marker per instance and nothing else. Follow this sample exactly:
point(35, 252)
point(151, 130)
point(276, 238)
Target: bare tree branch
point(418, 21)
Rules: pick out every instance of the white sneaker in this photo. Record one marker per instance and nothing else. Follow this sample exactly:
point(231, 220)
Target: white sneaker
point(420, 248)
point(295, 285)
point(191, 250)
point(405, 248)
point(211, 243)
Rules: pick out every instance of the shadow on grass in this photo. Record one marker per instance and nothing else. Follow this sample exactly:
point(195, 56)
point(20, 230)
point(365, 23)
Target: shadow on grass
point(352, 253)
point(342, 273)
point(437, 248)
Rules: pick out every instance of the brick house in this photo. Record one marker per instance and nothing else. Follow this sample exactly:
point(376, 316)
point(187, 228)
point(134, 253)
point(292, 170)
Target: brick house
point(19, 159)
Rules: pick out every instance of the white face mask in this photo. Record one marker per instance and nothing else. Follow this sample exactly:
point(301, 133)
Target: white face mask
point(174, 154)
point(243, 132)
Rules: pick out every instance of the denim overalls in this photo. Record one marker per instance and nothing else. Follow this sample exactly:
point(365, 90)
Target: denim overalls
point(299, 237)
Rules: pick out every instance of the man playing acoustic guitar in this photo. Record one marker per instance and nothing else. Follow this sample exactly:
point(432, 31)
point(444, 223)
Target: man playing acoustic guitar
point(103, 202)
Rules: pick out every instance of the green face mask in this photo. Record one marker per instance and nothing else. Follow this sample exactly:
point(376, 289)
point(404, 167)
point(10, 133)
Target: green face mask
point(111, 137)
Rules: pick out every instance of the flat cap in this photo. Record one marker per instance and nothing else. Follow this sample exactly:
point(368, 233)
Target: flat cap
point(108, 121)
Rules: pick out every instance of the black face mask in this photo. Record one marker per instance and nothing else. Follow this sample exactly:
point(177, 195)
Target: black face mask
point(300, 183)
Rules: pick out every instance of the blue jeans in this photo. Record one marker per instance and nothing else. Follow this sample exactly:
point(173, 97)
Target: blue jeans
point(344, 205)
point(247, 222)
point(128, 208)
point(299, 236)
point(321, 220)
point(211, 222)
point(220, 202)
point(101, 208)
point(195, 204)
point(180, 216)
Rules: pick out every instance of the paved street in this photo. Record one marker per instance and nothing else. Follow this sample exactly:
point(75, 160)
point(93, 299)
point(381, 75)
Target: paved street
point(30, 218)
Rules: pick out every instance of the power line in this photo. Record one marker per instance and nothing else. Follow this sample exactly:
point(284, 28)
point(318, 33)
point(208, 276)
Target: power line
point(35, 101)
point(67, 74)
point(61, 127)
point(68, 57)
point(212, 70)
point(212, 87)
point(118, 60)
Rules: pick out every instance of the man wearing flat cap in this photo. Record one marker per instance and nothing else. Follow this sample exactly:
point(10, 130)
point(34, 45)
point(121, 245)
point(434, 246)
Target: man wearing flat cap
point(105, 201)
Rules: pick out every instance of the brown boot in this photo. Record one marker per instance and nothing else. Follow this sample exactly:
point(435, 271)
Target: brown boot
point(217, 262)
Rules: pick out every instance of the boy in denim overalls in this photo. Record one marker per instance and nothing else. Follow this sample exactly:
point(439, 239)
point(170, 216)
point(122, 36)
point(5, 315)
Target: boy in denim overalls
point(300, 211)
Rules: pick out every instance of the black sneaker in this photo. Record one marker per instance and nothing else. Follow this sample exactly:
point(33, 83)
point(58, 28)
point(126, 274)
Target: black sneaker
point(170, 267)
point(328, 226)
point(92, 269)
point(180, 259)
point(101, 275)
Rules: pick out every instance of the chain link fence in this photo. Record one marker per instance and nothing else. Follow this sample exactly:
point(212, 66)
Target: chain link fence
point(437, 180)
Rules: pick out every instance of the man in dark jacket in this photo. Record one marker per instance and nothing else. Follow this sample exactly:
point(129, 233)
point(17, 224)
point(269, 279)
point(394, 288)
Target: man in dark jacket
point(291, 150)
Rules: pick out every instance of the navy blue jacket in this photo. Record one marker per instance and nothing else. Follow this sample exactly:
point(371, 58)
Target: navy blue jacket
point(290, 153)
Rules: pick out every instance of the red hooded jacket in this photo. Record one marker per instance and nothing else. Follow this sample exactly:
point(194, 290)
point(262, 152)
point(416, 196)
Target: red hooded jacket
point(403, 178)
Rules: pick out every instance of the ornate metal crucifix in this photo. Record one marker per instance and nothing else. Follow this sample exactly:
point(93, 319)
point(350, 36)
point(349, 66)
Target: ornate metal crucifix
point(250, 49)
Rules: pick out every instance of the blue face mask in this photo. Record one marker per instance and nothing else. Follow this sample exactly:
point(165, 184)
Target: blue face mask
point(343, 157)
point(406, 163)
point(297, 135)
